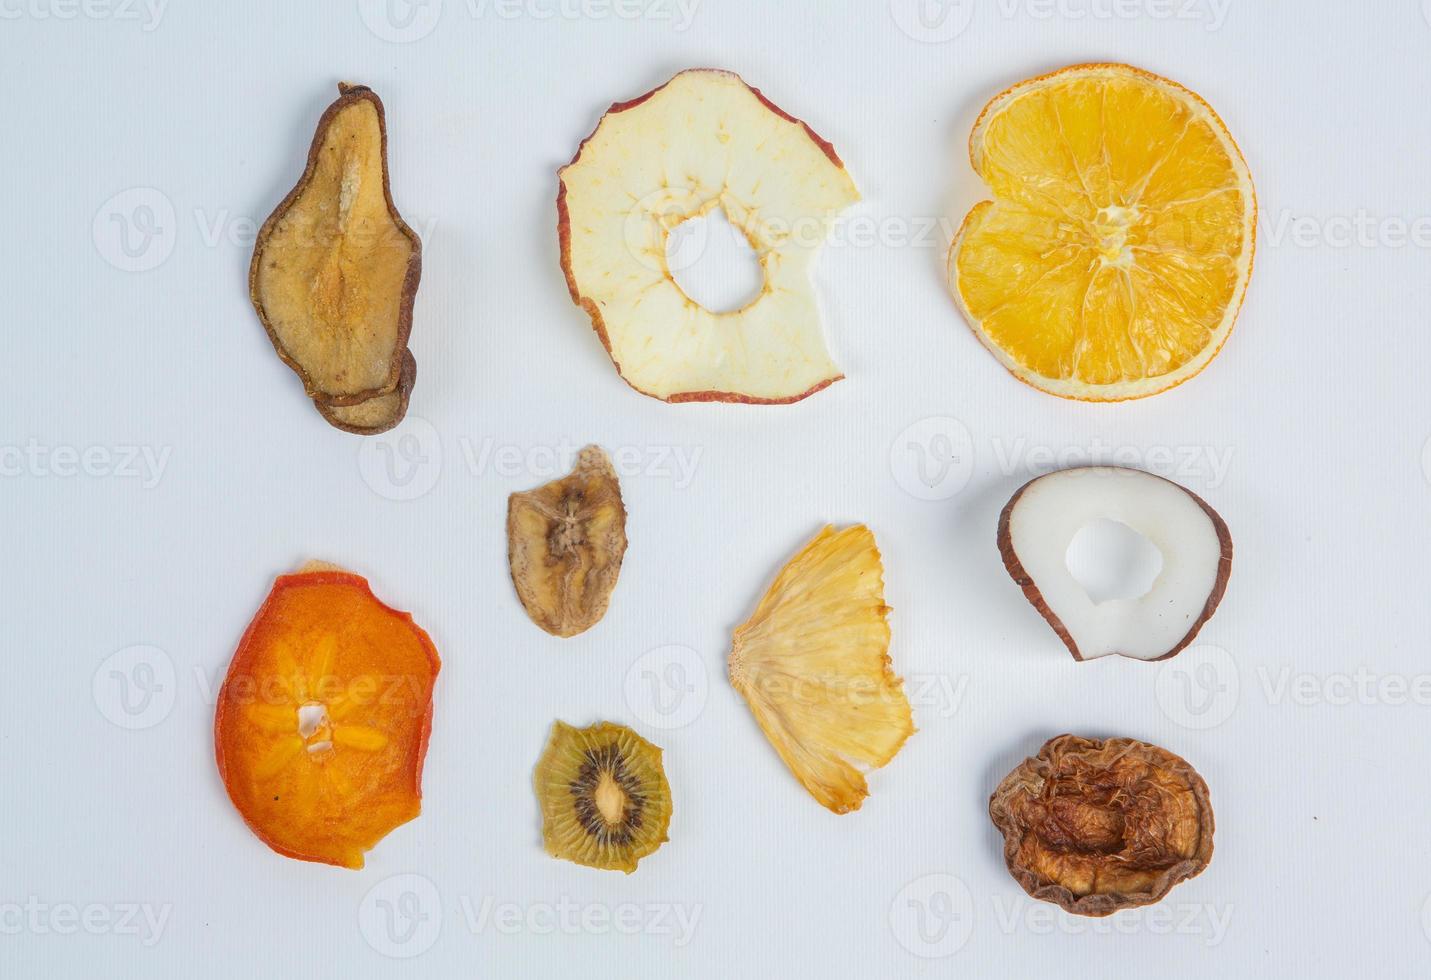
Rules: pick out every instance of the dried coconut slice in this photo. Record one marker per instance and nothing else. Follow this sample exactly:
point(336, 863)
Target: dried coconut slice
point(1038, 526)
point(813, 665)
point(323, 719)
point(703, 141)
point(335, 268)
point(1095, 826)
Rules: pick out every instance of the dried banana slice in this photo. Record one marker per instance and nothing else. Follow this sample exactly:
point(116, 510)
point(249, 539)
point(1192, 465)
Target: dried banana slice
point(813, 664)
point(565, 543)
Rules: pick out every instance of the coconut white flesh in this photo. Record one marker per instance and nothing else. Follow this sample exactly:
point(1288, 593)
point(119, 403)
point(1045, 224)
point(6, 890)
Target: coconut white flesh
point(1054, 508)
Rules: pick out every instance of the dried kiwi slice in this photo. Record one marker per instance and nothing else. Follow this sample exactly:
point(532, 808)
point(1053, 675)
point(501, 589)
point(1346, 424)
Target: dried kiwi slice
point(604, 796)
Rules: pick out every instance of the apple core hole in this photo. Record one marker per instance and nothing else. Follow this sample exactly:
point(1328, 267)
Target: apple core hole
point(713, 263)
point(1112, 561)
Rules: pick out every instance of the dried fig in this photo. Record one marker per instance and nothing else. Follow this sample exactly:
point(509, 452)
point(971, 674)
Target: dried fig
point(1097, 826)
point(565, 542)
point(335, 268)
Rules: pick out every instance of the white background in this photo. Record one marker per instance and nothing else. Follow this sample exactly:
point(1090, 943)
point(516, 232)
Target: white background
point(1307, 433)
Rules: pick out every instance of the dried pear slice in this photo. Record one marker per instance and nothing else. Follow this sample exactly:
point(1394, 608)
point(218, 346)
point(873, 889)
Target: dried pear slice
point(335, 269)
point(604, 796)
point(379, 413)
point(1096, 825)
point(813, 664)
point(565, 543)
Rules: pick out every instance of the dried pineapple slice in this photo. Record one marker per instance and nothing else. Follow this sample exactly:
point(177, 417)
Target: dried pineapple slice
point(813, 664)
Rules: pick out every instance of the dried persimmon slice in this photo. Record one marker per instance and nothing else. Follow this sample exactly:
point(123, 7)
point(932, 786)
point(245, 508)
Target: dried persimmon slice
point(323, 719)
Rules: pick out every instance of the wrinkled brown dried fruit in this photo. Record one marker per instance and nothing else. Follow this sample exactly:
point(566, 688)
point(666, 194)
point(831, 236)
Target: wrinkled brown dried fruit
point(379, 413)
point(565, 543)
point(335, 268)
point(1097, 826)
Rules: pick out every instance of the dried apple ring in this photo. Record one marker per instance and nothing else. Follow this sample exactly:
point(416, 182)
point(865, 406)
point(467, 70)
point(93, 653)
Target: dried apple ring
point(323, 719)
point(704, 141)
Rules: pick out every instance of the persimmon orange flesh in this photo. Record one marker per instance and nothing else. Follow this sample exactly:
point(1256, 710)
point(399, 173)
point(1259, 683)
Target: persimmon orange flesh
point(323, 720)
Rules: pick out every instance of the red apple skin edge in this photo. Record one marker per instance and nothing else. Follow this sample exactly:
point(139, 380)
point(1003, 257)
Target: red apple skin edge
point(564, 232)
point(1035, 597)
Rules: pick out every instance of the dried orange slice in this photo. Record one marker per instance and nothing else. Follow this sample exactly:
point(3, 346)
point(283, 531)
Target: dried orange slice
point(813, 664)
point(323, 719)
point(1113, 260)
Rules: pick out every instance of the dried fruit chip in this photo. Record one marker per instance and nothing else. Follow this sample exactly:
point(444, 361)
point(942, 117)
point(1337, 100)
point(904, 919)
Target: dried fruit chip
point(335, 269)
point(704, 141)
point(1113, 260)
point(1039, 523)
point(813, 664)
point(604, 796)
point(379, 413)
point(1097, 826)
point(323, 719)
point(565, 542)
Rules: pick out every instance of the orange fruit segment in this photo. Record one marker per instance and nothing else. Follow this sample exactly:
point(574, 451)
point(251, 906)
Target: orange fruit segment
point(1113, 260)
point(323, 719)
